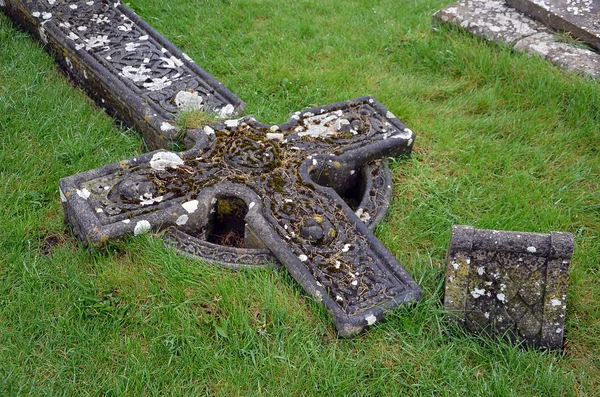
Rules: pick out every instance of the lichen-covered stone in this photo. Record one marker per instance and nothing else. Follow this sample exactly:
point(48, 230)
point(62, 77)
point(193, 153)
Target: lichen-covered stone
point(496, 21)
point(565, 55)
point(581, 18)
point(491, 19)
point(509, 283)
point(276, 200)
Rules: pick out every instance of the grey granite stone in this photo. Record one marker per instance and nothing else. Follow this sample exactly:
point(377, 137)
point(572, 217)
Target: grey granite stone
point(496, 21)
point(579, 17)
point(512, 284)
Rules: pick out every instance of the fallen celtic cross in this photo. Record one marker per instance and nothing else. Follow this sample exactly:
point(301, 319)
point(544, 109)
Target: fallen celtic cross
point(305, 193)
point(281, 182)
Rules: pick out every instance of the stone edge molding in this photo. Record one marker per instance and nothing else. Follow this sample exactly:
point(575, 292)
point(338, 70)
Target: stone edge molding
point(93, 70)
point(495, 21)
point(464, 272)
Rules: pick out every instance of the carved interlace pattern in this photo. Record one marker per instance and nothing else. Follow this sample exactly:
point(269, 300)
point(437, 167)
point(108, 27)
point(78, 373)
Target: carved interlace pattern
point(104, 30)
point(268, 161)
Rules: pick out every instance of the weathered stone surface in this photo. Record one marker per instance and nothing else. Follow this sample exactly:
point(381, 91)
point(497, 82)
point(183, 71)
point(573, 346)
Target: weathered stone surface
point(490, 19)
point(496, 21)
point(579, 17)
point(248, 192)
point(566, 56)
point(509, 283)
point(126, 66)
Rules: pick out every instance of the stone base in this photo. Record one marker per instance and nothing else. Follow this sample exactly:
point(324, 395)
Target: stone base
point(510, 284)
point(498, 22)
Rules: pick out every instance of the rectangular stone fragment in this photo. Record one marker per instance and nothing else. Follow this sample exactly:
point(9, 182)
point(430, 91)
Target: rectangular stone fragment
point(510, 284)
point(579, 17)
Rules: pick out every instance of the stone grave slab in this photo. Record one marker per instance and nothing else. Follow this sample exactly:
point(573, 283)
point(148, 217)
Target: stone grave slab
point(496, 21)
point(509, 283)
point(248, 192)
point(579, 17)
point(127, 67)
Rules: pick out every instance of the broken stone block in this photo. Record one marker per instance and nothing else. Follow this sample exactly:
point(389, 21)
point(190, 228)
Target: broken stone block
point(581, 18)
point(511, 284)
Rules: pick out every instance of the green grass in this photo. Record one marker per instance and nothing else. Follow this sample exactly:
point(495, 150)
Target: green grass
point(505, 141)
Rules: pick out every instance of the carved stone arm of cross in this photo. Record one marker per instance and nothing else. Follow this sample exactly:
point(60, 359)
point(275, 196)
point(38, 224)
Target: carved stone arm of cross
point(283, 181)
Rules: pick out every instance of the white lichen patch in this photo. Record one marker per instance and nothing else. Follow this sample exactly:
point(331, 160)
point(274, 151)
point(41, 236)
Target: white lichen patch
point(363, 215)
point(233, 123)
point(501, 297)
point(556, 302)
point(182, 220)
point(371, 319)
point(480, 270)
point(226, 111)
point(303, 258)
point(163, 160)
point(533, 250)
point(190, 206)
point(478, 292)
point(142, 227)
point(147, 199)
point(346, 248)
point(165, 126)
point(404, 134)
point(188, 101)
point(126, 221)
point(83, 193)
point(208, 130)
point(275, 137)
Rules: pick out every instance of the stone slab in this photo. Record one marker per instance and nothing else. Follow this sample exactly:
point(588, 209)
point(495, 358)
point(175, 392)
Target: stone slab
point(127, 67)
point(511, 284)
point(492, 20)
point(579, 17)
point(564, 55)
point(496, 21)
point(285, 190)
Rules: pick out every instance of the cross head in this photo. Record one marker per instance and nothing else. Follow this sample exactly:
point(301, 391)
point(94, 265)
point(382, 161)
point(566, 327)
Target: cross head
point(280, 184)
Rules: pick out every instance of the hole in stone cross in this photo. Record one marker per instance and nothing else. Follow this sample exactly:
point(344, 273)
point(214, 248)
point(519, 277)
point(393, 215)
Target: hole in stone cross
point(350, 185)
point(227, 225)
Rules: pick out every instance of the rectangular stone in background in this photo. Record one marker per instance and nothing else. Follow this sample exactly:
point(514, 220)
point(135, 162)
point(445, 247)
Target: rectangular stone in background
point(511, 284)
point(579, 17)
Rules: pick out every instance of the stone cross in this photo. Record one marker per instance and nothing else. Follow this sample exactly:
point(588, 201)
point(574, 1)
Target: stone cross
point(304, 194)
point(273, 187)
point(511, 284)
